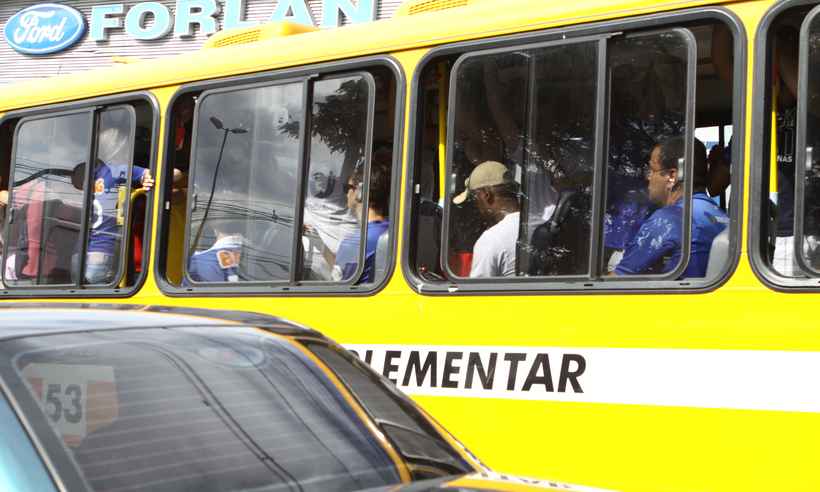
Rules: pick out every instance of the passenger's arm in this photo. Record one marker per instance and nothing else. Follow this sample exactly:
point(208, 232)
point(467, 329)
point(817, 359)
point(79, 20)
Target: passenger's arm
point(722, 56)
point(313, 235)
point(504, 121)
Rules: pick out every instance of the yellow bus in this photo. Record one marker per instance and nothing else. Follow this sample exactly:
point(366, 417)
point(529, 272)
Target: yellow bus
point(506, 208)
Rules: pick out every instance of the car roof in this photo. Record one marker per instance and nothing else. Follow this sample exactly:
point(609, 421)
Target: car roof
point(33, 319)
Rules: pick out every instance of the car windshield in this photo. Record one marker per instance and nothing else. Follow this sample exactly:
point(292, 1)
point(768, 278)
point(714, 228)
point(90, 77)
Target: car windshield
point(192, 409)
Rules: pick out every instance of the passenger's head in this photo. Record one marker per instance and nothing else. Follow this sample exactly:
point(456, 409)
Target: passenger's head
point(227, 227)
point(112, 146)
point(665, 165)
point(492, 188)
point(78, 176)
point(378, 191)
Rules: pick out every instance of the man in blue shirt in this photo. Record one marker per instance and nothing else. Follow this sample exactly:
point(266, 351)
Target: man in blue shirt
point(346, 258)
point(220, 262)
point(656, 248)
point(105, 228)
point(377, 210)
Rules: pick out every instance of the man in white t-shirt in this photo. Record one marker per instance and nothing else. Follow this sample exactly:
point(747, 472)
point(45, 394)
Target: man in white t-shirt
point(495, 194)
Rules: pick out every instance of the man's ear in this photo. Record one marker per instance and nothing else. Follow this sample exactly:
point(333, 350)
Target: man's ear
point(489, 196)
point(672, 178)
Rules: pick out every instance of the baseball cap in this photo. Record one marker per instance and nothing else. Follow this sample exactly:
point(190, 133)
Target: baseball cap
point(488, 173)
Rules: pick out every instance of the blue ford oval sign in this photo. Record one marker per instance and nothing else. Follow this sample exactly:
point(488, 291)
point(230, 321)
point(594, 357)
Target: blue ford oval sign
point(44, 28)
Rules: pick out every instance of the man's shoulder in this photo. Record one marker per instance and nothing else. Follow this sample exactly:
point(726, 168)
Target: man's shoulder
point(665, 214)
point(203, 256)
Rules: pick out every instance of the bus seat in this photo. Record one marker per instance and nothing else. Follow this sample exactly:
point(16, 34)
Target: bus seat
point(382, 255)
point(60, 231)
point(718, 254)
point(429, 226)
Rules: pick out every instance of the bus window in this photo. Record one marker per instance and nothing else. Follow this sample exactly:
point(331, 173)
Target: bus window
point(244, 181)
point(807, 220)
point(71, 224)
point(786, 225)
point(648, 80)
point(267, 207)
point(335, 210)
point(542, 107)
point(44, 229)
point(6, 136)
point(178, 156)
point(525, 153)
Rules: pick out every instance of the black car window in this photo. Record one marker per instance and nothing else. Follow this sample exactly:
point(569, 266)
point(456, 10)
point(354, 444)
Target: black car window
point(195, 409)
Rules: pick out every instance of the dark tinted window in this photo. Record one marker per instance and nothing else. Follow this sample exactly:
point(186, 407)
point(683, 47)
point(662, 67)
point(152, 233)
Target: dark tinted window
point(197, 409)
point(413, 436)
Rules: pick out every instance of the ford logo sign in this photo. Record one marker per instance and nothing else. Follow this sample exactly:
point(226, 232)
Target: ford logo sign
point(44, 28)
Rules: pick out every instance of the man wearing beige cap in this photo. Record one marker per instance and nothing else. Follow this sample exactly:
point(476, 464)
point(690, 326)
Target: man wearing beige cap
point(495, 194)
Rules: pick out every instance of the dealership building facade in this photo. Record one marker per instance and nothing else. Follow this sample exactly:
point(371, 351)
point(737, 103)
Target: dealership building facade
point(42, 39)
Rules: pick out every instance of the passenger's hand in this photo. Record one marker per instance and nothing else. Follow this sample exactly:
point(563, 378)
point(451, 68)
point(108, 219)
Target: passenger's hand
point(147, 181)
point(309, 231)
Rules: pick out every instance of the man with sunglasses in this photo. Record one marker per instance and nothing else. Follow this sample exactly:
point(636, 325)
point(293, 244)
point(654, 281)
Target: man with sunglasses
point(657, 246)
point(495, 195)
point(376, 212)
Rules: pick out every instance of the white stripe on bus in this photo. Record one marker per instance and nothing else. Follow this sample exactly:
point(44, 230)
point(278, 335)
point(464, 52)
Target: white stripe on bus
point(733, 379)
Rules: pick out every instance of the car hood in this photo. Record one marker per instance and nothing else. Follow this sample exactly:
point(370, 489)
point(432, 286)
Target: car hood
point(485, 482)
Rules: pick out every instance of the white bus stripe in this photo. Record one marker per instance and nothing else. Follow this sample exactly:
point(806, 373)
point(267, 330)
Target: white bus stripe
point(734, 379)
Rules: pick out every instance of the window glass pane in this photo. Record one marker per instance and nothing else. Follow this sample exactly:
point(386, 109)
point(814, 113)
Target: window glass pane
point(523, 134)
point(811, 205)
point(489, 125)
point(333, 208)
point(560, 161)
point(643, 223)
point(198, 409)
point(244, 190)
point(111, 190)
point(44, 233)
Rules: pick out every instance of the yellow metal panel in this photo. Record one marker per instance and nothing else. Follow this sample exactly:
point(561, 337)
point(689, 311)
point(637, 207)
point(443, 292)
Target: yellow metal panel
point(640, 448)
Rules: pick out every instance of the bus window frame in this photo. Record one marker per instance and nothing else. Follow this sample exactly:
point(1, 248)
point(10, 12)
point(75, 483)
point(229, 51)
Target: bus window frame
point(89, 113)
point(688, 153)
point(660, 20)
point(296, 264)
point(186, 248)
point(301, 288)
point(91, 104)
point(759, 157)
point(124, 240)
point(801, 151)
point(449, 183)
point(298, 250)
